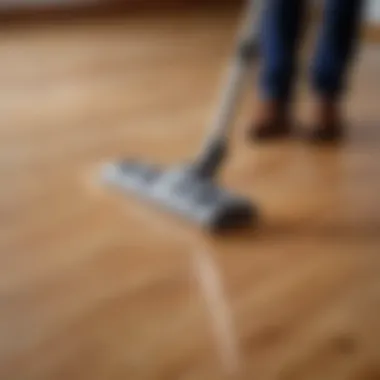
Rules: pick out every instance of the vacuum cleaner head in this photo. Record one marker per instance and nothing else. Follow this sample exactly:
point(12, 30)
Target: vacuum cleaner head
point(183, 191)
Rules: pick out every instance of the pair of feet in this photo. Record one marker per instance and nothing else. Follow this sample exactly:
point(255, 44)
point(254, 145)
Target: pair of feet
point(274, 122)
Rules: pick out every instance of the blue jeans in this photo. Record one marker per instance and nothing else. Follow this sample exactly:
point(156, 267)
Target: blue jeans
point(281, 29)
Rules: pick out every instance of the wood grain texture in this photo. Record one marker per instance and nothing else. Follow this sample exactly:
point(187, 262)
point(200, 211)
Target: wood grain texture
point(95, 286)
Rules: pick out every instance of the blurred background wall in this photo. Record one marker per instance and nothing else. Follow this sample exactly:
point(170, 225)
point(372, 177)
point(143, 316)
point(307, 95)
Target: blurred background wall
point(15, 6)
point(19, 5)
point(33, 10)
point(11, 10)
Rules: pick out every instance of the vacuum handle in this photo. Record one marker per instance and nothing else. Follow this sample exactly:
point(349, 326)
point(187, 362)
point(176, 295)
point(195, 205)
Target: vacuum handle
point(215, 146)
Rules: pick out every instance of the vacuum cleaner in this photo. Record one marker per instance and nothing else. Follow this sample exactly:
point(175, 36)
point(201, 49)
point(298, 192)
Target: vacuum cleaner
point(190, 190)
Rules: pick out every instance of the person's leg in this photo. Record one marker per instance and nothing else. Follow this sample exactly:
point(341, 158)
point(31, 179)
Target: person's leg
point(280, 32)
point(335, 49)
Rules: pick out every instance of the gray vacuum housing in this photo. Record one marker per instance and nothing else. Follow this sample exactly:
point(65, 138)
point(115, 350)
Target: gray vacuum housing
point(183, 192)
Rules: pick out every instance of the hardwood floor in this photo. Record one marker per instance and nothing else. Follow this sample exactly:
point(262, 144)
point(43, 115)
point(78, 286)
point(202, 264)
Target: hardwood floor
point(96, 286)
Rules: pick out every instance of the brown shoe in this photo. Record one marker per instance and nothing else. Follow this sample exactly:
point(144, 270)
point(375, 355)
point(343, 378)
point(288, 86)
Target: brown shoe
point(272, 122)
point(329, 125)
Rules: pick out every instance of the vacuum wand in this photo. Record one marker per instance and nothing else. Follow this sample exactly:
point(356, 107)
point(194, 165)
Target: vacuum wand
point(214, 150)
